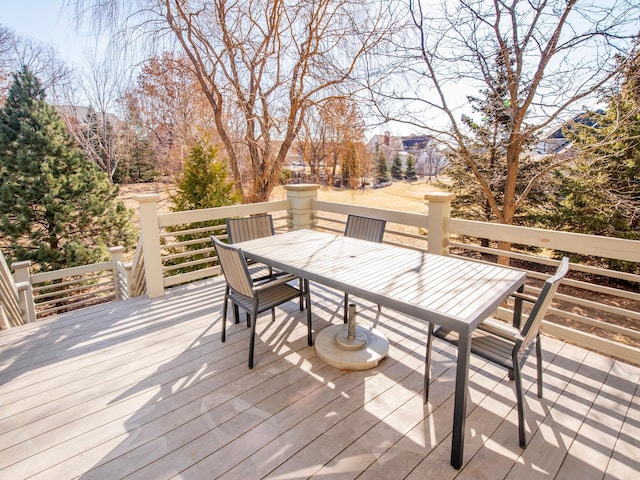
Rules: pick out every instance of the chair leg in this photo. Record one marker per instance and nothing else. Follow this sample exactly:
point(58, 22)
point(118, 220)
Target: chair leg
point(307, 294)
point(345, 316)
point(427, 363)
point(236, 313)
point(301, 286)
point(520, 400)
point(539, 362)
point(252, 340)
point(224, 313)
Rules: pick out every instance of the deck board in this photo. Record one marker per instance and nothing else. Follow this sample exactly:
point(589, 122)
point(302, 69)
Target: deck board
point(145, 389)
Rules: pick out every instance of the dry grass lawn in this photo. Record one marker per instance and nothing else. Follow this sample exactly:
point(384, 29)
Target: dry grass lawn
point(402, 196)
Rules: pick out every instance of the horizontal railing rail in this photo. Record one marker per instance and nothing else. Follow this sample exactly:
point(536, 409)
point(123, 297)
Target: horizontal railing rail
point(49, 293)
point(187, 253)
point(596, 307)
point(403, 228)
point(72, 288)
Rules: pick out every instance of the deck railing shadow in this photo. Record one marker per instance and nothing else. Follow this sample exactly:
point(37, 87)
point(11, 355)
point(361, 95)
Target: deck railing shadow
point(193, 408)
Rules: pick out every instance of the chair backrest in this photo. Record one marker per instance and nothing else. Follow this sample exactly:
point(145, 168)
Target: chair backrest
point(365, 228)
point(234, 267)
point(248, 228)
point(539, 310)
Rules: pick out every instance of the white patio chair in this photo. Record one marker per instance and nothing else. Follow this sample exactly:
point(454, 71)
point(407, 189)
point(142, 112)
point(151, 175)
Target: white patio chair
point(508, 345)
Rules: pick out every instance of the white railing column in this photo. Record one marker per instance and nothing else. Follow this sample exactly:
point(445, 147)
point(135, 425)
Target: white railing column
point(439, 214)
point(22, 277)
point(116, 261)
point(4, 319)
point(301, 214)
point(128, 272)
point(150, 236)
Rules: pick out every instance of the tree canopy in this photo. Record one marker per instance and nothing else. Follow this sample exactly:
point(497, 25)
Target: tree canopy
point(262, 65)
point(599, 192)
point(532, 61)
point(58, 209)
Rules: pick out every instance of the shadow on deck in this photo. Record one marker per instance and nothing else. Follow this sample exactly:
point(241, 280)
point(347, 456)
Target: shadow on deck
point(145, 389)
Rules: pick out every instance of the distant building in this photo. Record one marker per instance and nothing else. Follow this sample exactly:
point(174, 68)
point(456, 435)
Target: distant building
point(429, 159)
point(79, 113)
point(556, 142)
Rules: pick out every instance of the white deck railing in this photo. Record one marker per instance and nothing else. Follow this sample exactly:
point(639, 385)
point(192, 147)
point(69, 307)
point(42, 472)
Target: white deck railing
point(596, 307)
point(49, 293)
point(11, 314)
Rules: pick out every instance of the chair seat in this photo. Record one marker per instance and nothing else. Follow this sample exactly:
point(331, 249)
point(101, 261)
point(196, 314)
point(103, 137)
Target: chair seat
point(267, 298)
point(484, 343)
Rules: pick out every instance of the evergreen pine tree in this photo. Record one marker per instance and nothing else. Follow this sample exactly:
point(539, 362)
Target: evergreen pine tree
point(396, 167)
point(382, 168)
point(350, 166)
point(58, 210)
point(204, 183)
point(137, 162)
point(410, 171)
point(489, 139)
point(599, 194)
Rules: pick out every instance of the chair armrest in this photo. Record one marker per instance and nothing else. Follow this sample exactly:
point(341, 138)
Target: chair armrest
point(500, 329)
point(522, 296)
point(517, 308)
point(272, 283)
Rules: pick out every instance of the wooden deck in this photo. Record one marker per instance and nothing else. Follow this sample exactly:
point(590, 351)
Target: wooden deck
point(145, 389)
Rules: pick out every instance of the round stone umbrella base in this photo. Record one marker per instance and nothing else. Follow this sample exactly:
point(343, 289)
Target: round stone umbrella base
point(334, 348)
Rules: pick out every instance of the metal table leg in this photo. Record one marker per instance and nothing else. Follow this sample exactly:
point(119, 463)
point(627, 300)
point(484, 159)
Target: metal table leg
point(460, 405)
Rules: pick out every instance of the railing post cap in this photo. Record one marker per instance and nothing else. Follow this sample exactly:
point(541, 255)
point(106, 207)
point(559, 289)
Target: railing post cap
point(146, 197)
point(116, 249)
point(439, 197)
point(298, 187)
point(21, 264)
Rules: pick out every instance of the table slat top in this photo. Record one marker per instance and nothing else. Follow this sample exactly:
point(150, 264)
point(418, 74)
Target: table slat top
point(452, 292)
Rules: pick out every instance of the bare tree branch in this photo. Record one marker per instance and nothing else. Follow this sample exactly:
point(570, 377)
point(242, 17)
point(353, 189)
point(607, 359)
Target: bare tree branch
point(552, 55)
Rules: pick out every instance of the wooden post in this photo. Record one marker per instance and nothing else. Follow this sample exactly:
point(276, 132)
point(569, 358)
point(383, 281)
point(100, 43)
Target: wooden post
point(150, 236)
point(301, 214)
point(22, 277)
point(439, 213)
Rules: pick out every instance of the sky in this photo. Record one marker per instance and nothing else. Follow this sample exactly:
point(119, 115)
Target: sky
point(47, 22)
point(51, 23)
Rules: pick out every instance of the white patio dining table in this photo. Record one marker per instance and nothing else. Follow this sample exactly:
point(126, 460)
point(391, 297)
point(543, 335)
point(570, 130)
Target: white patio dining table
point(452, 292)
